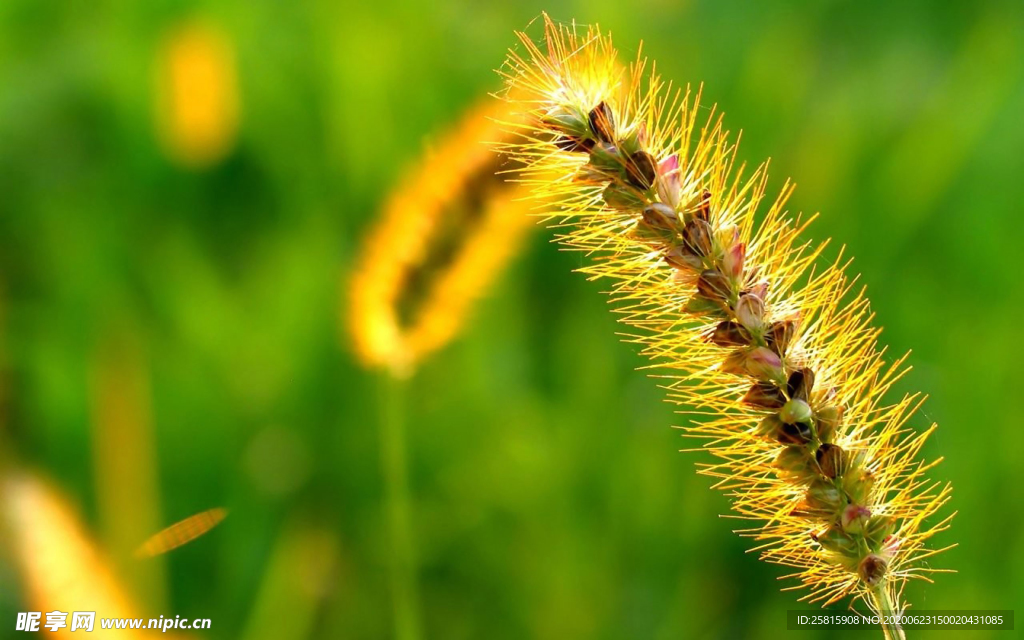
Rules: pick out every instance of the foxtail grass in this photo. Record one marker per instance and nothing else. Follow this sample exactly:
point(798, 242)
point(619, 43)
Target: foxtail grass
point(60, 566)
point(772, 354)
point(444, 235)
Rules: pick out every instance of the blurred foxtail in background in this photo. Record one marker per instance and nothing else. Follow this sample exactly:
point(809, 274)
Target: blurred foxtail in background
point(444, 236)
point(197, 97)
point(774, 358)
point(60, 567)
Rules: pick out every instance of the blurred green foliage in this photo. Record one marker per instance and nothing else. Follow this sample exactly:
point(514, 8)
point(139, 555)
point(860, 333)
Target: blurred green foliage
point(548, 498)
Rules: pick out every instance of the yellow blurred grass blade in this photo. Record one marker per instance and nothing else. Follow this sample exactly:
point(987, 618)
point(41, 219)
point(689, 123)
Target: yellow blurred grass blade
point(60, 567)
point(295, 583)
point(442, 238)
point(181, 532)
point(124, 459)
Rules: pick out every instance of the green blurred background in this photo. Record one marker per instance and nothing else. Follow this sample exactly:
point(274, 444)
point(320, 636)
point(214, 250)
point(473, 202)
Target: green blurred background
point(548, 498)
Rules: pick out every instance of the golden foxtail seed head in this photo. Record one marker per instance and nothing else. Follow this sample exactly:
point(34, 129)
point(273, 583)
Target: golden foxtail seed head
point(773, 357)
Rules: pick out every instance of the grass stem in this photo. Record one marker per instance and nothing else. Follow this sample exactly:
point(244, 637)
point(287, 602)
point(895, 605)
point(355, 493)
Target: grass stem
point(404, 588)
point(891, 629)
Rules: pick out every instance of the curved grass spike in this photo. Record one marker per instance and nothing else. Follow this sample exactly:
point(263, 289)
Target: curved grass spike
point(444, 235)
point(774, 358)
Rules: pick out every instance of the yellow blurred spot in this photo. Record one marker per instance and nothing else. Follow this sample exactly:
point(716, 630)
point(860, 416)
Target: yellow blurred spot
point(197, 95)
